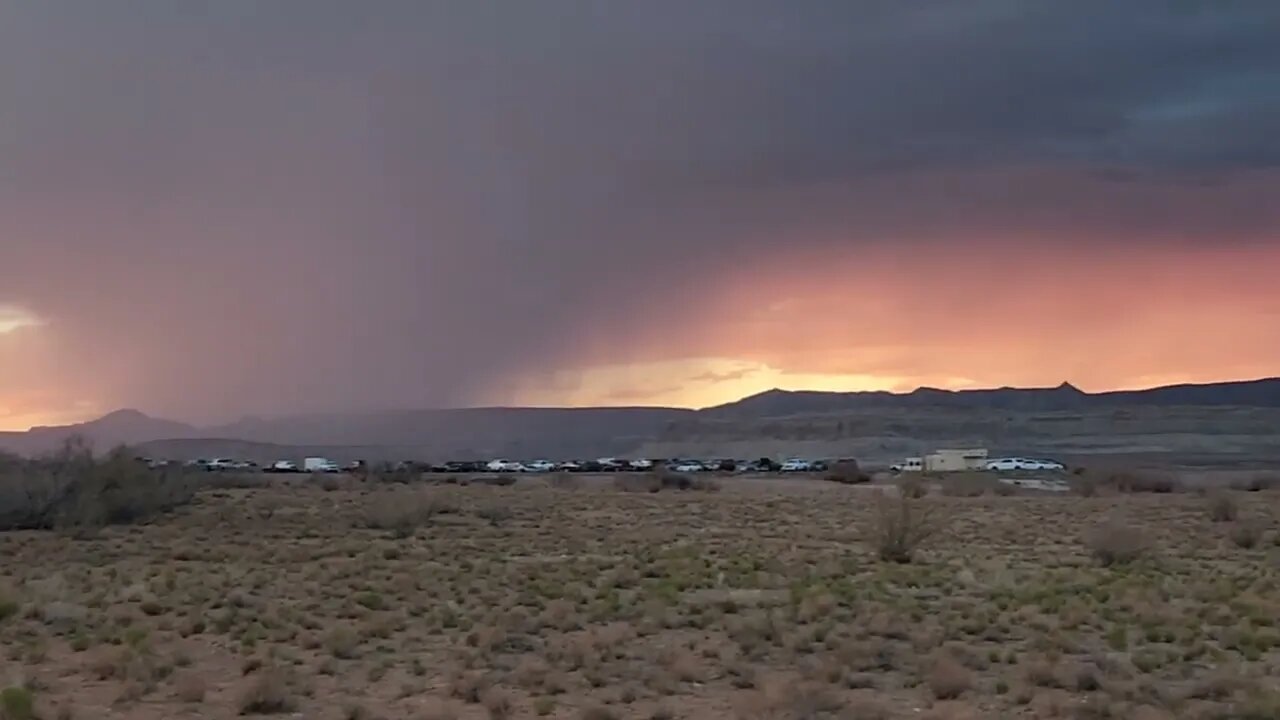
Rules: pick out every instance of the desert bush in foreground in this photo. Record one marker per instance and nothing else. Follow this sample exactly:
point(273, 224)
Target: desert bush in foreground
point(630, 482)
point(912, 486)
point(846, 472)
point(1257, 483)
point(971, 484)
point(948, 679)
point(267, 694)
point(663, 480)
point(73, 489)
point(16, 703)
point(1145, 481)
point(400, 512)
point(398, 474)
point(1222, 506)
point(565, 481)
point(1245, 535)
point(1116, 543)
point(902, 525)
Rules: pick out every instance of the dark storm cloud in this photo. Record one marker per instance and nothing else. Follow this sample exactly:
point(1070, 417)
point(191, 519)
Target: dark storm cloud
point(244, 206)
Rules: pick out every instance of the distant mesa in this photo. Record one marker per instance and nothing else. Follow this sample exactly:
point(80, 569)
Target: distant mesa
point(601, 431)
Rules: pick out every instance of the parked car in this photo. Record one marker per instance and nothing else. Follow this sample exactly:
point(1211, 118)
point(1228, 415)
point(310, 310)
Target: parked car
point(687, 466)
point(220, 464)
point(282, 466)
point(320, 465)
point(641, 464)
point(504, 466)
point(569, 466)
point(1024, 464)
point(796, 465)
point(539, 466)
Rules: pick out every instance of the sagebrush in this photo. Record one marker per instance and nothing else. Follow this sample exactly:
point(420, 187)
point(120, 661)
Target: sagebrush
point(902, 524)
point(73, 488)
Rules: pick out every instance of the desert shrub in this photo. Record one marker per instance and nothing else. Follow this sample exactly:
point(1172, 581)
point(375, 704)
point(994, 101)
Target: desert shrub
point(970, 484)
point(902, 525)
point(565, 481)
point(948, 679)
point(397, 473)
point(16, 703)
point(267, 694)
point(496, 480)
point(1084, 485)
point(1245, 534)
point(633, 482)
point(1117, 543)
point(1222, 506)
point(8, 606)
point(846, 472)
point(675, 481)
point(401, 512)
point(663, 480)
point(342, 642)
point(495, 514)
point(328, 483)
point(233, 481)
point(497, 703)
point(1144, 481)
point(704, 484)
point(1257, 483)
point(74, 489)
point(189, 686)
point(912, 486)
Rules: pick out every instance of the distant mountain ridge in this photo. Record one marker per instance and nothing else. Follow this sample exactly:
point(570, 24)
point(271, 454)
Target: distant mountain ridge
point(521, 432)
point(1245, 393)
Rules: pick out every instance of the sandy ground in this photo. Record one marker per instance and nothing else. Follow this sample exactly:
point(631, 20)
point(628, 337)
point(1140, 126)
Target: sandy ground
point(766, 599)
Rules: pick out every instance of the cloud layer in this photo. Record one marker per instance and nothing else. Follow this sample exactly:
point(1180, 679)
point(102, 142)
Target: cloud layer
point(249, 208)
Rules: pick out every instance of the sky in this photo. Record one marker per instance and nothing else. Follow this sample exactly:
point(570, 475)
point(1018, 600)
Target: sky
point(210, 210)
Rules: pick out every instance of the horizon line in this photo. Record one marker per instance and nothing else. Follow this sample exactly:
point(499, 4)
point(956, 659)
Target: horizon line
point(899, 393)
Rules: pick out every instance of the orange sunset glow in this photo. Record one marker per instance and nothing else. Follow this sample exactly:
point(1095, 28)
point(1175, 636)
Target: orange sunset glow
point(1115, 320)
point(222, 214)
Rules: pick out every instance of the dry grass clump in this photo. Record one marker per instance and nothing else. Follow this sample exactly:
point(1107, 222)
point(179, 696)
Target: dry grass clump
point(663, 480)
point(1222, 506)
point(1245, 534)
point(1257, 483)
point(565, 481)
point(497, 703)
point(17, 703)
point(504, 480)
point(912, 486)
point(637, 483)
point(972, 484)
point(903, 524)
point(401, 512)
point(598, 712)
point(1118, 543)
point(846, 472)
point(73, 489)
point(342, 642)
point(189, 686)
point(266, 694)
point(948, 679)
point(1144, 481)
